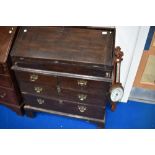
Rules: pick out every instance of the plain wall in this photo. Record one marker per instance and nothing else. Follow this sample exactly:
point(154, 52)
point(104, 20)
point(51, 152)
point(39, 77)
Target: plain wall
point(132, 40)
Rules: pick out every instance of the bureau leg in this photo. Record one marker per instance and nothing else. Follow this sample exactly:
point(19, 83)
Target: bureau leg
point(30, 113)
point(20, 112)
point(100, 125)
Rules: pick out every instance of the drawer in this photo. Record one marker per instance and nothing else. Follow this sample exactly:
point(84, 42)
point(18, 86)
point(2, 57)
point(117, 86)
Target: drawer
point(5, 81)
point(8, 96)
point(65, 67)
point(1, 69)
point(64, 106)
point(80, 97)
point(36, 78)
point(38, 89)
point(90, 86)
point(4, 69)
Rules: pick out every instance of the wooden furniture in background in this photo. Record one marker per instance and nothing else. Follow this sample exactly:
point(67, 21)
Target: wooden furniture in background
point(9, 93)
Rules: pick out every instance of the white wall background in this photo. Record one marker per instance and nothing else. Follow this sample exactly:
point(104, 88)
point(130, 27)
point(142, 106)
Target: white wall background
point(132, 40)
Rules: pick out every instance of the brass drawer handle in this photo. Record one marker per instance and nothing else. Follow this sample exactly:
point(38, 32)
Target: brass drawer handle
point(82, 83)
point(82, 97)
point(38, 89)
point(40, 101)
point(82, 108)
point(2, 95)
point(33, 77)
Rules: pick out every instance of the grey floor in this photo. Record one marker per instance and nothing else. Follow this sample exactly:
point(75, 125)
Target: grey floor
point(142, 95)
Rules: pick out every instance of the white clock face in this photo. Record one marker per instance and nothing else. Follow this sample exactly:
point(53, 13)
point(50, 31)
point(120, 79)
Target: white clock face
point(116, 94)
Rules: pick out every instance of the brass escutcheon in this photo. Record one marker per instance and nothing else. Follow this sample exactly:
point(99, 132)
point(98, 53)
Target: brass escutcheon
point(33, 77)
point(82, 83)
point(38, 89)
point(82, 108)
point(82, 97)
point(40, 101)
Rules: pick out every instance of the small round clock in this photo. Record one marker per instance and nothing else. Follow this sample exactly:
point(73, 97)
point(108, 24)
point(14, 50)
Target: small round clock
point(116, 93)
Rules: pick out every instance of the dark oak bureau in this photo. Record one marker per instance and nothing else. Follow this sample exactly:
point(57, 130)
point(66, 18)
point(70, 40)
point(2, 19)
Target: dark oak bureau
point(65, 70)
point(9, 92)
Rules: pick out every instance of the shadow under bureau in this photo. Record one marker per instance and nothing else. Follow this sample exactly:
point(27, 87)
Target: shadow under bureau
point(65, 70)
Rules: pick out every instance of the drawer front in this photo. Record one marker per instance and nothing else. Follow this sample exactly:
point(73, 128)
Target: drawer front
point(1, 69)
point(64, 106)
point(5, 81)
point(38, 89)
point(59, 66)
point(80, 97)
point(53, 92)
point(4, 69)
point(36, 78)
point(8, 96)
point(90, 86)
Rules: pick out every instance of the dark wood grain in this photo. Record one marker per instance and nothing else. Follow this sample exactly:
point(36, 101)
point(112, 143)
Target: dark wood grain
point(91, 99)
point(5, 81)
point(62, 74)
point(90, 86)
point(38, 78)
point(65, 43)
point(9, 92)
point(16, 108)
point(1, 69)
point(46, 91)
point(61, 57)
point(64, 106)
point(61, 66)
point(64, 94)
point(6, 38)
point(8, 95)
point(4, 69)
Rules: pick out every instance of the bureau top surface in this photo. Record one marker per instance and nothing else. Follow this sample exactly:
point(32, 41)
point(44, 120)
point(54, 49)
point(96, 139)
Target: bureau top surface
point(77, 44)
point(6, 38)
